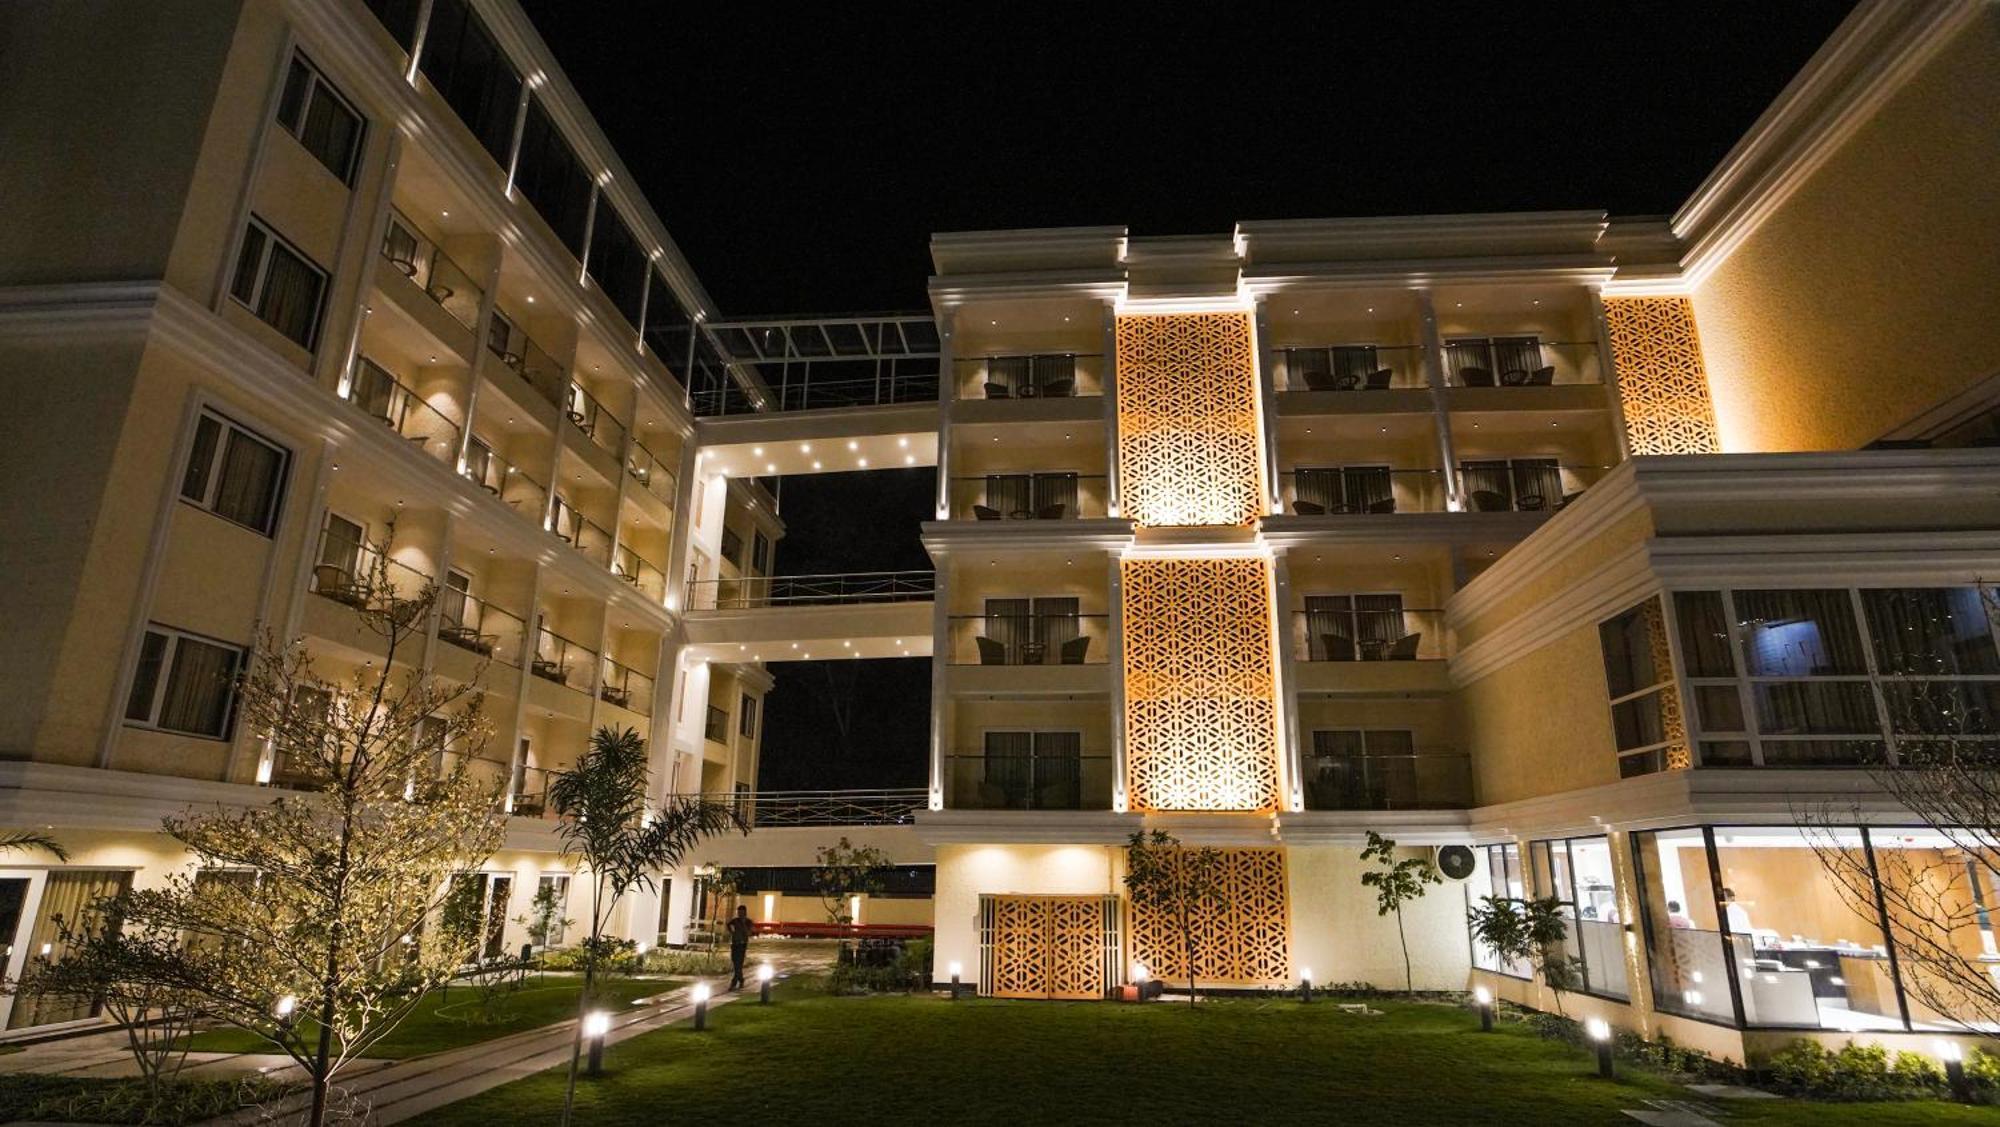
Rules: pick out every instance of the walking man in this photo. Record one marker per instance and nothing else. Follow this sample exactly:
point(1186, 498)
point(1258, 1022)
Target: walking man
point(739, 945)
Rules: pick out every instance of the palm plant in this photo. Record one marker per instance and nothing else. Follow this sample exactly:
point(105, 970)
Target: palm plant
point(30, 840)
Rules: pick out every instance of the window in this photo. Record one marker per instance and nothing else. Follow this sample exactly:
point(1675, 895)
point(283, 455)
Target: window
point(1344, 489)
point(616, 262)
point(234, 474)
point(323, 121)
point(466, 66)
point(550, 177)
point(1045, 496)
point(1642, 691)
point(399, 17)
point(1380, 769)
point(1358, 628)
point(716, 728)
point(1528, 485)
point(551, 890)
point(279, 285)
point(1032, 771)
point(1577, 872)
point(760, 553)
point(1507, 361)
point(1031, 631)
point(746, 717)
point(184, 684)
point(732, 546)
point(1497, 875)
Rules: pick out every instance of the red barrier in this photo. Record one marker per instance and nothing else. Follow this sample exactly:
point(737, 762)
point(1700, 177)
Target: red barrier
point(802, 930)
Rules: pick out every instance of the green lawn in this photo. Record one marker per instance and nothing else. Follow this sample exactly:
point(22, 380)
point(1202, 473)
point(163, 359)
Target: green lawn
point(450, 1019)
point(896, 1060)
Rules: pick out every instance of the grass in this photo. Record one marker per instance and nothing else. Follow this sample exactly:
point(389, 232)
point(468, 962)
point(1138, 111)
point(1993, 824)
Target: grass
point(452, 1019)
point(923, 1060)
point(75, 1099)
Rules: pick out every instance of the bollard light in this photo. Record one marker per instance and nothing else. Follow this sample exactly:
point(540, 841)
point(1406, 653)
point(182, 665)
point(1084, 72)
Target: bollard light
point(956, 970)
point(764, 984)
point(285, 1007)
point(596, 1024)
point(1600, 1033)
point(700, 995)
point(1953, 1057)
point(1484, 998)
point(1305, 984)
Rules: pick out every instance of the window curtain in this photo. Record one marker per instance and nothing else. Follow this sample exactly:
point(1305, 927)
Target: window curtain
point(1009, 769)
point(1467, 352)
point(1490, 485)
point(71, 894)
point(1378, 621)
point(340, 545)
point(1308, 368)
point(1516, 354)
point(201, 460)
point(1011, 623)
point(1056, 622)
point(1318, 487)
point(1053, 489)
point(290, 302)
point(1366, 487)
point(1930, 632)
point(198, 688)
point(1331, 779)
point(1799, 633)
point(1354, 361)
point(1537, 483)
point(1058, 770)
point(1052, 367)
point(248, 490)
point(1704, 631)
point(1330, 628)
point(1010, 493)
point(330, 132)
point(1010, 372)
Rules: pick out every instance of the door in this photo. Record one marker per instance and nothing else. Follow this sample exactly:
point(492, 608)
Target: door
point(1048, 946)
point(72, 895)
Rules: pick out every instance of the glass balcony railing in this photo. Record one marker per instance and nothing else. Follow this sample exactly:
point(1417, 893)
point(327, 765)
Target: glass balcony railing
point(1029, 639)
point(476, 625)
point(634, 568)
point(383, 396)
point(655, 476)
point(1351, 367)
point(425, 263)
point(598, 424)
point(580, 532)
point(1350, 634)
point(981, 780)
point(507, 481)
point(560, 660)
point(1042, 375)
point(361, 575)
point(1424, 780)
point(626, 687)
point(1364, 490)
point(1523, 485)
point(529, 796)
point(1029, 496)
point(811, 590)
point(1519, 361)
point(512, 345)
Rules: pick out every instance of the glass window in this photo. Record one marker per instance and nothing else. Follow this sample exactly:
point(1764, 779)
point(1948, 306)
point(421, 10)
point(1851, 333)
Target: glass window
point(760, 553)
point(399, 17)
point(746, 716)
point(1577, 872)
point(279, 285)
point(1375, 769)
point(1685, 951)
point(197, 693)
point(1931, 631)
point(1639, 683)
point(1799, 633)
point(323, 121)
point(616, 262)
point(1497, 873)
point(234, 474)
point(550, 177)
point(1704, 634)
point(732, 546)
point(1938, 890)
point(467, 68)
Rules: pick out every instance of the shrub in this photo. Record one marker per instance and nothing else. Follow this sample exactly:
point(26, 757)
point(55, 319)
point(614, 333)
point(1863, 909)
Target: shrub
point(69, 1099)
point(1854, 1072)
point(685, 963)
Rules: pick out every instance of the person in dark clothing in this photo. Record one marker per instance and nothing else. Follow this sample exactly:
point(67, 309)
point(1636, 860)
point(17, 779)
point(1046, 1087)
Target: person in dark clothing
point(739, 945)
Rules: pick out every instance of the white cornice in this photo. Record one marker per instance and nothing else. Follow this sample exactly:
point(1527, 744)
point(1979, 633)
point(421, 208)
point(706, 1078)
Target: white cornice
point(1713, 796)
point(1106, 534)
point(1868, 58)
point(1567, 269)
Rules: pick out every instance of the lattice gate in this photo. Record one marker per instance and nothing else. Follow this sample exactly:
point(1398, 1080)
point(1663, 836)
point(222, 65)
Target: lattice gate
point(1246, 943)
point(1048, 946)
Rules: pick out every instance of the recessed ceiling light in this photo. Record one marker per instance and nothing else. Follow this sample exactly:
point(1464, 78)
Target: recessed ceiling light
point(903, 442)
point(805, 447)
point(853, 445)
point(993, 322)
point(1371, 309)
point(909, 459)
point(815, 465)
point(757, 451)
point(531, 299)
point(864, 462)
point(770, 467)
point(444, 214)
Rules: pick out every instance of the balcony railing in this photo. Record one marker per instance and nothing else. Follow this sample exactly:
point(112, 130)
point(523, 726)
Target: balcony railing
point(1503, 361)
point(811, 590)
point(1029, 639)
point(473, 624)
point(812, 395)
point(1368, 635)
point(634, 568)
point(1523, 485)
point(1041, 375)
point(529, 796)
point(543, 372)
point(646, 468)
point(560, 660)
point(893, 806)
point(804, 365)
point(1363, 490)
point(361, 575)
point(507, 481)
point(425, 263)
point(1352, 367)
point(626, 687)
point(599, 425)
point(979, 780)
point(580, 532)
point(1029, 496)
point(1438, 780)
point(382, 395)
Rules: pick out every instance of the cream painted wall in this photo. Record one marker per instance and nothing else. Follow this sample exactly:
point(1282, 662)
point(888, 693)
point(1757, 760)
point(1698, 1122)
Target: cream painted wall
point(1338, 935)
point(966, 871)
point(1541, 724)
point(1866, 298)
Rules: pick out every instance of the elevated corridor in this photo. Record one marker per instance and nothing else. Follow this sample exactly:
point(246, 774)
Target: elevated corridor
point(811, 617)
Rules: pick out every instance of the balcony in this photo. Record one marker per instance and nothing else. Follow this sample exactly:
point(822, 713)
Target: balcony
point(811, 590)
point(557, 659)
point(361, 576)
point(1347, 634)
point(979, 780)
point(635, 569)
point(478, 627)
point(1435, 780)
point(514, 486)
point(1028, 639)
point(376, 392)
point(626, 687)
point(1041, 375)
point(529, 796)
point(1523, 485)
point(653, 475)
point(1519, 362)
point(894, 806)
point(426, 264)
point(1029, 496)
point(604, 429)
point(1352, 367)
point(1364, 491)
point(570, 526)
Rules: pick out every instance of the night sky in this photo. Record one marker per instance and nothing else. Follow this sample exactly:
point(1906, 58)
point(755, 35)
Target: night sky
point(802, 157)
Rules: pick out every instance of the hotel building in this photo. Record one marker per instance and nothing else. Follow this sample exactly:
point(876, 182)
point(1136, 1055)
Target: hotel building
point(1602, 555)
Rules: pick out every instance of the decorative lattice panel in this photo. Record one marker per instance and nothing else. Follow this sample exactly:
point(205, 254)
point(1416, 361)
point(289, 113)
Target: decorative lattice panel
point(1662, 385)
point(1245, 942)
point(1187, 420)
point(1675, 755)
point(1048, 946)
point(1201, 706)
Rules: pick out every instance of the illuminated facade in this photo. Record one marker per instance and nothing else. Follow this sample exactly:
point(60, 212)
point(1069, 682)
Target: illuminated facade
point(1595, 546)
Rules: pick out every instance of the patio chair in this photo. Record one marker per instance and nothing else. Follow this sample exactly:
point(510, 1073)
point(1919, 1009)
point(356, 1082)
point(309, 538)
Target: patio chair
point(1513, 377)
point(1475, 377)
point(1567, 498)
point(1489, 501)
point(1378, 380)
point(1385, 505)
point(984, 513)
point(1542, 376)
point(992, 651)
point(1337, 648)
point(1530, 503)
point(1051, 512)
point(998, 391)
point(1308, 509)
point(1074, 650)
point(1058, 389)
point(1346, 383)
point(1320, 381)
point(1405, 648)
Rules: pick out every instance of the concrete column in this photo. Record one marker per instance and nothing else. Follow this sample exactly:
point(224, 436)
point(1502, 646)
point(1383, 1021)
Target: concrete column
point(1434, 375)
point(943, 715)
point(1108, 366)
point(1115, 631)
point(1267, 405)
point(947, 395)
point(1291, 765)
point(1607, 370)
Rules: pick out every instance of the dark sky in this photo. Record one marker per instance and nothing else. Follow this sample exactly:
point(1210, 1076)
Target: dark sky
point(801, 157)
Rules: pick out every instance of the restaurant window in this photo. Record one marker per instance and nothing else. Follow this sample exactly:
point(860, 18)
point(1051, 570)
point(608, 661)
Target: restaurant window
point(1497, 874)
point(1577, 872)
point(1680, 910)
point(1639, 681)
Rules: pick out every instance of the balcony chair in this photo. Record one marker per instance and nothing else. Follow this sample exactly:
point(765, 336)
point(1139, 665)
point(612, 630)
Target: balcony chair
point(1489, 501)
point(612, 694)
point(1051, 512)
point(1385, 505)
point(1475, 377)
point(992, 651)
point(998, 391)
point(1058, 389)
point(1404, 648)
point(984, 513)
point(1308, 509)
point(466, 638)
point(1074, 650)
point(335, 583)
point(1542, 376)
point(1567, 498)
point(1346, 383)
point(439, 292)
point(1513, 377)
point(1530, 503)
point(1378, 380)
point(1337, 648)
point(550, 671)
point(1320, 381)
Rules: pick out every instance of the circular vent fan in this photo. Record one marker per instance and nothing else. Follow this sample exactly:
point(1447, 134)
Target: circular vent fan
point(1454, 861)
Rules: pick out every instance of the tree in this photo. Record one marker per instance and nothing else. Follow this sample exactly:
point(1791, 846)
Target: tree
point(135, 974)
point(31, 841)
point(544, 920)
point(312, 917)
point(600, 806)
point(842, 871)
point(1397, 882)
point(722, 885)
point(1181, 883)
point(1531, 931)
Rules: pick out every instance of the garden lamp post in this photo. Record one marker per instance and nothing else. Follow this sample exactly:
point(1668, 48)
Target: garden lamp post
point(1954, 1070)
point(596, 1024)
point(1305, 984)
point(1484, 998)
point(1600, 1035)
point(956, 970)
point(764, 984)
point(700, 996)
